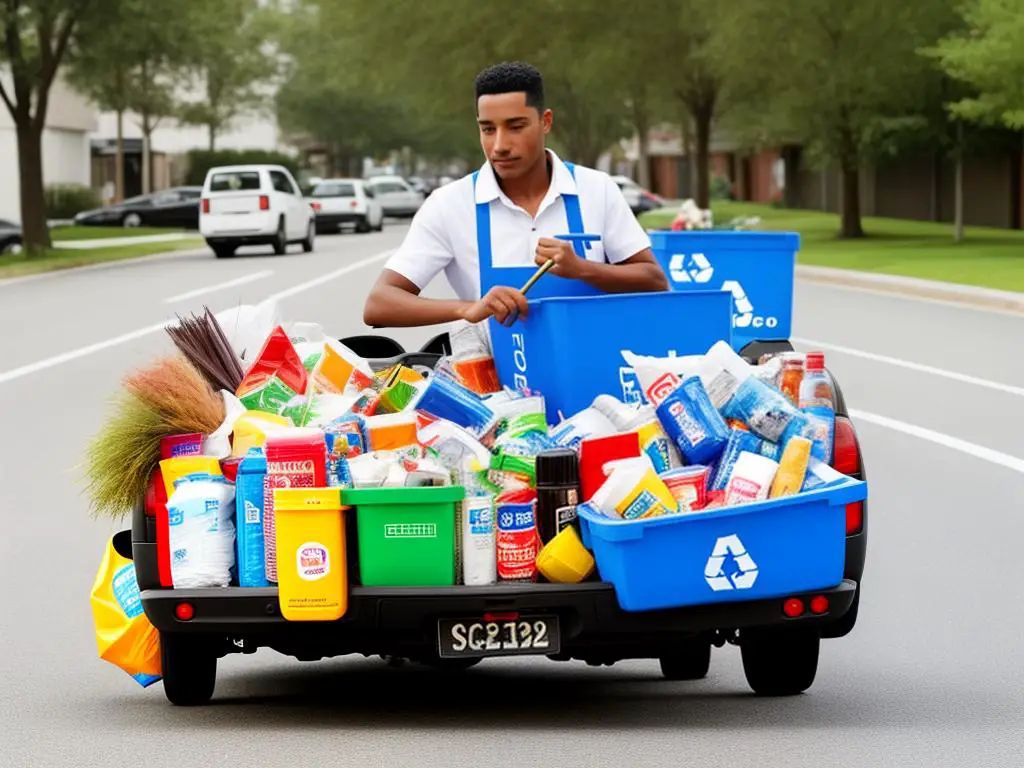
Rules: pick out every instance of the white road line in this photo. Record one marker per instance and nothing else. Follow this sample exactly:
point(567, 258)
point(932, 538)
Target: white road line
point(74, 354)
point(947, 374)
point(947, 441)
point(220, 286)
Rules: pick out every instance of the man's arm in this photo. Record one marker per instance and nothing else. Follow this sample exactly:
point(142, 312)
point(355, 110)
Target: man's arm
point(640, 273)
point(395, 302)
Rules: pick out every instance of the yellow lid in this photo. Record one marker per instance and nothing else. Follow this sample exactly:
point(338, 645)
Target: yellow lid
point(300, 499)
point(564, 560)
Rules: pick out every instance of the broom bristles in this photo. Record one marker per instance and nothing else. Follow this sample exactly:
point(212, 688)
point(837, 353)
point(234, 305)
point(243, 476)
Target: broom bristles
point(179, 394)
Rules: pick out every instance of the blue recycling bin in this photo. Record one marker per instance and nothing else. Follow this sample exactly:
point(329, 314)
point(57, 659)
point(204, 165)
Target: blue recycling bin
point(756, 551)
point(758, 268)
point(570, 349)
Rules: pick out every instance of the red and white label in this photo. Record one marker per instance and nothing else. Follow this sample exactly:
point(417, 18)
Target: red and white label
point(664, 386)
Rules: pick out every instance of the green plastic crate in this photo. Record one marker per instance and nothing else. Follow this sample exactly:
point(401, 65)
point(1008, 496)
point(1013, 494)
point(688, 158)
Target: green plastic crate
point(406, 536)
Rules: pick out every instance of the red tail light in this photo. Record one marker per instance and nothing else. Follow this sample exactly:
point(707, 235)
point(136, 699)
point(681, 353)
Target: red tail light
point(184, 611)
point(206, 205)
point(355, 203)
point(846, 459)
point(819, 605)
point(509, 616)
point(793, 607)
point(315, 206)
point(264, 203)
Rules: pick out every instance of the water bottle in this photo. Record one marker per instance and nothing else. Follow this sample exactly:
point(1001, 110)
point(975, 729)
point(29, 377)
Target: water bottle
point(816, 400)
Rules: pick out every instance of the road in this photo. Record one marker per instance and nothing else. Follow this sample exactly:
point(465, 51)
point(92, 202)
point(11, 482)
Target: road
point(931, 676)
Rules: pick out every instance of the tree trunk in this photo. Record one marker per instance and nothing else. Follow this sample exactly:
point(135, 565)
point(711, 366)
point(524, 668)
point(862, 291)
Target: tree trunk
point(147, 177)
point(958, 186)
point(850, 220)
point(35, 232)
point(687, 131)
point(119, 159)
point(641, 123)
point(212, 133)
point(702, 120)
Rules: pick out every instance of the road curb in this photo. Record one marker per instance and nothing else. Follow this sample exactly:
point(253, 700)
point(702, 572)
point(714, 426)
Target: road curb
point(985, 298)
point(54, 273)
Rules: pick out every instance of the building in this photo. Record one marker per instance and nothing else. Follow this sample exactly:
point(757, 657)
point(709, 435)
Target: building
point(70, 120)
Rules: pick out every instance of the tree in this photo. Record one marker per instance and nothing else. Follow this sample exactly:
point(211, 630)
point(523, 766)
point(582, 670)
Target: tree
point(229, 61)
point(844, 79)
point(35, 37)
point(987, 54)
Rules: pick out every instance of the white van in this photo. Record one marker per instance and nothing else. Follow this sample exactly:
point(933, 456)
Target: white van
point(254, 205)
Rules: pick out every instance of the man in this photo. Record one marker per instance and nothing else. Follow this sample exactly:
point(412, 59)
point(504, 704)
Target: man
point(527, 193)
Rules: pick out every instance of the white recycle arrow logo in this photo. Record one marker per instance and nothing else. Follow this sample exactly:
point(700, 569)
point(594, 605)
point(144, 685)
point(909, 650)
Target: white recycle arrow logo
point(744, 308)
point(714, 573)
point(691, 269)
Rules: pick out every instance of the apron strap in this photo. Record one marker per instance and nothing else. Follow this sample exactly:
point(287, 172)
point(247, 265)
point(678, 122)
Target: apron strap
point(573, 217)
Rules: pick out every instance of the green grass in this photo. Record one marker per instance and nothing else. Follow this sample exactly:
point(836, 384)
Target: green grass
point(101, 233)
point(990, 258)
point(22, 264)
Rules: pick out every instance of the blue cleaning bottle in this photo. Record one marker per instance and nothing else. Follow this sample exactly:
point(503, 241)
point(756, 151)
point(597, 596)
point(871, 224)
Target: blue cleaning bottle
point(816, 400)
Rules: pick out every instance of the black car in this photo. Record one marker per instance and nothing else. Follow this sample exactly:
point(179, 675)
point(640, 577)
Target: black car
point(10, 237)
point(175, 207)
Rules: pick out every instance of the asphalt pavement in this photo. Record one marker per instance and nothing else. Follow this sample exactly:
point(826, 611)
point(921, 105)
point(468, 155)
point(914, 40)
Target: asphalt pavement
point(931, 676)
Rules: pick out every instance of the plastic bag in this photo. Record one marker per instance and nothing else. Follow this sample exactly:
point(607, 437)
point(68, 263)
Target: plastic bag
point(275, 377)
point(247, 327)
point(201, 516)
point(124, 636)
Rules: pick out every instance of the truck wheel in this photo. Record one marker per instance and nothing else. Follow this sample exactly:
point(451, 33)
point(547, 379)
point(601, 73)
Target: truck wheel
point(188, 668)
point(223, 250)
point(363, 225)
point(780, 663)
point(307, 244)
point(690, 662)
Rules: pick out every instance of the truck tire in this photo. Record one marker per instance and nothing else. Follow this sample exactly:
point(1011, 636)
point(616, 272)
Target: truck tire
point(224, 250)
point(310, 240)
point(779, 663)
point(189, 669)
point(690, 662)
point(363, 225)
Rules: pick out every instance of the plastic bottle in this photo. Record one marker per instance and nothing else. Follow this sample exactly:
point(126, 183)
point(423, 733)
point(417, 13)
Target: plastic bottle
point(479, 553)
point(558, 491)
point(816, 400)
point(792, 377)
point(585, 425)
point(201, 514)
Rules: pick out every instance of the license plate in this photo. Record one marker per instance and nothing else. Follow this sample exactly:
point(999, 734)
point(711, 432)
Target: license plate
point(526, 635)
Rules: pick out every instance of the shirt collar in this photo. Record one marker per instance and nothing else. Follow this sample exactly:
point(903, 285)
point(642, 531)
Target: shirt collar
point(562, 182)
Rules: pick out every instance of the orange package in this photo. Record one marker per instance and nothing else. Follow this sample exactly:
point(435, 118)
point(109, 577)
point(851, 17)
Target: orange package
point(391, 432)
point(341, 370)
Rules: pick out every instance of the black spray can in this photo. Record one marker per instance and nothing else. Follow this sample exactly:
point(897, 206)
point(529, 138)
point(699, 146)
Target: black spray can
point(558, 491)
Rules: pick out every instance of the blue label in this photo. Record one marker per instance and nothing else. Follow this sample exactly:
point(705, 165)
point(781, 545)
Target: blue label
point(126, 591)
point(640, 506)
point(515, 517)
point(481, 520)
point(175, 516)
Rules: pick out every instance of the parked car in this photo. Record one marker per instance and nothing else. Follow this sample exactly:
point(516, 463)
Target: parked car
point(175, 207)
point(10, 237)
point(396, 195)
point(254, 205)
point(639, 199)
point(344, 202)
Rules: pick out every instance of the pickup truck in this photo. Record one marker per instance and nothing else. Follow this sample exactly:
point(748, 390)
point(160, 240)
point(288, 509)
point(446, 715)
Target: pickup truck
point(778, 638)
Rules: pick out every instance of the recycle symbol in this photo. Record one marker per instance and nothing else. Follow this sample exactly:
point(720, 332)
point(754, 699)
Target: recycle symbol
point(694, 268)
point(507, 519)
point(730, 566)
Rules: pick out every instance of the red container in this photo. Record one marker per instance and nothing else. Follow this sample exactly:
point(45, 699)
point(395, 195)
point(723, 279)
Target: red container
point(156, 507)
point(597, 452)
point(293, 461)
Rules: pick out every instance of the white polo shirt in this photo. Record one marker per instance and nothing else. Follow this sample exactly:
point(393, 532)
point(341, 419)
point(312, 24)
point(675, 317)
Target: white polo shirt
point(443, 232)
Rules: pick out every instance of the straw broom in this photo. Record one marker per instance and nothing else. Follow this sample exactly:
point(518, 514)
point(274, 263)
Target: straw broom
point(169, 397)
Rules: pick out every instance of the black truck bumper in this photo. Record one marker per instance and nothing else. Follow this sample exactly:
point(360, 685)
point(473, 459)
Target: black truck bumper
point(404, 621)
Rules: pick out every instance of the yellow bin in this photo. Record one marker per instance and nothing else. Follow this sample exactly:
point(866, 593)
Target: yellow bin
point(312, 567)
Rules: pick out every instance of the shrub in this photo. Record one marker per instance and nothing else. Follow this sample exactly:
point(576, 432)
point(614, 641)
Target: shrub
point(63, 201)
point(202, 160)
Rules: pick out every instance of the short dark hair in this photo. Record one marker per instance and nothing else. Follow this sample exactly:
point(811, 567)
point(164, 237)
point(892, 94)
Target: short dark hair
point(512, 77)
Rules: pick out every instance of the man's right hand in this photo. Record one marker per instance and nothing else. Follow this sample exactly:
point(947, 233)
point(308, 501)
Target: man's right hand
point(501, 302)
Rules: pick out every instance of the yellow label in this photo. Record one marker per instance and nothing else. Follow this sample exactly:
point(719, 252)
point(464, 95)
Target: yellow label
point(649, 498)
point(789, 478)
point(180, 466)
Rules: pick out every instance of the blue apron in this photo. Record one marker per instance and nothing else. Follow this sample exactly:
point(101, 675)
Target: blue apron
point(505, 342)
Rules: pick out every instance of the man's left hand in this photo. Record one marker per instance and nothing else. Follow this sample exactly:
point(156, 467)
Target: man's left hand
point(567, 263)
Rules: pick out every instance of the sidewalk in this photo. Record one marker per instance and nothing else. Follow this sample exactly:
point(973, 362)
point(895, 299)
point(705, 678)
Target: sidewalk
point(985, 298)
point(113, 242)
